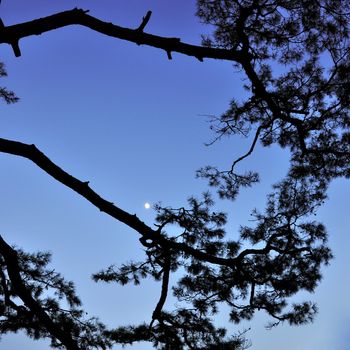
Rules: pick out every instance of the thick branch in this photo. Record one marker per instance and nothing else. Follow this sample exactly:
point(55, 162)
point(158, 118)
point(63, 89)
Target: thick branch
point(76, 16)
point(43, 162)
point(19, 288)
point(36, 156)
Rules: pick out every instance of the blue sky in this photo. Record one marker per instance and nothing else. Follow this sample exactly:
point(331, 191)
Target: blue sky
point(132, 122)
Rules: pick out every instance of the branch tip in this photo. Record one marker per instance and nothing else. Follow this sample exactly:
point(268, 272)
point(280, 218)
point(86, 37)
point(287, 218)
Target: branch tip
point(144, 22)
point(16, 49)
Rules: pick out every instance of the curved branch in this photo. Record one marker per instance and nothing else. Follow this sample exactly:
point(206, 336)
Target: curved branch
point(19, 288)
point(14, 33)
point(251, 149)
point(165, 286)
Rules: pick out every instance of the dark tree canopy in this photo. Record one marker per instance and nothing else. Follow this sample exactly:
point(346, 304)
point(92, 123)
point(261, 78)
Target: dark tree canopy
point(295, 101)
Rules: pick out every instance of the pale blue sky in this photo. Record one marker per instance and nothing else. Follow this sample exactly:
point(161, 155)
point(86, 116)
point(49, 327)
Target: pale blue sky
point(131, 122)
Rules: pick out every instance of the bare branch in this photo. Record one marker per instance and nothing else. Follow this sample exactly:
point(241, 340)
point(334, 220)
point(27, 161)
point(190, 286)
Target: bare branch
point(14, 33)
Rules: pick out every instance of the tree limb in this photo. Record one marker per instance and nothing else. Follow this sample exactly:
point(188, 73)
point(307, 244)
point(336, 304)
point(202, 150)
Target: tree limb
point(12, 34)
point(42, 161)
point(165, 285)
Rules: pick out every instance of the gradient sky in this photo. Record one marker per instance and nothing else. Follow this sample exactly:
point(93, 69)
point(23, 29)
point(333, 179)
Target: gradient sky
point(133, 123)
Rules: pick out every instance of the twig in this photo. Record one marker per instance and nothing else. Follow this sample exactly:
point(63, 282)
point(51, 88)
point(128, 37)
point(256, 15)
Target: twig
point(144, 21)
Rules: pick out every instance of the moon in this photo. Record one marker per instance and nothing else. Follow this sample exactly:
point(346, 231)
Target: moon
point(147, 205)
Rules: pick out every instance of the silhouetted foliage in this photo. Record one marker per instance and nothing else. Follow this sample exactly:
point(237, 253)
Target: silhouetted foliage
point(6, 95)
point(302, 106)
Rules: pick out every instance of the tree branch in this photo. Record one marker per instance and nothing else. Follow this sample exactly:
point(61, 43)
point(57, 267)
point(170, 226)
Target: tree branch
point(251, 149)
point(260, 90)
point(82, 188)
point(165, 285)
point(42, 161)
point(19, 288)
point(14, 33)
